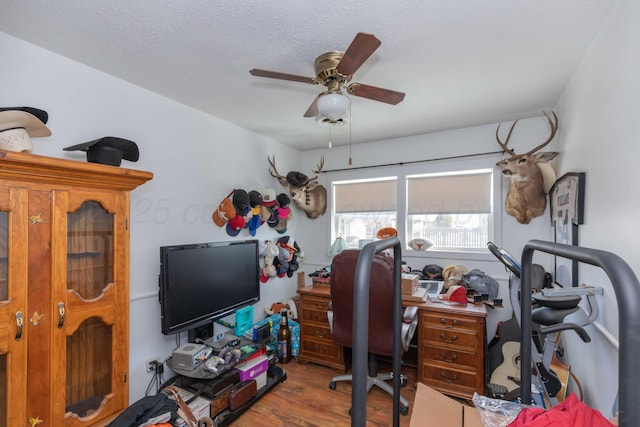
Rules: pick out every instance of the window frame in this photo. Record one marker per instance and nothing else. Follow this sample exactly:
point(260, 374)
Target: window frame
point(401, 172)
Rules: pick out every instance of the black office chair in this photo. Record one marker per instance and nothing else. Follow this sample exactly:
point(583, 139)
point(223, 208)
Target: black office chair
point(340, 316)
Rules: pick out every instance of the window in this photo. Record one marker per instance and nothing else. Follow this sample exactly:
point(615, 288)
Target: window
point(362, 207)
point(450, 202)
point(452, 210)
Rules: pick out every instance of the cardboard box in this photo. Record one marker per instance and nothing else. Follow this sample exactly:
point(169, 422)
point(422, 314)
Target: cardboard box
point(434, 409)
point(409, 283)
point(252, 368)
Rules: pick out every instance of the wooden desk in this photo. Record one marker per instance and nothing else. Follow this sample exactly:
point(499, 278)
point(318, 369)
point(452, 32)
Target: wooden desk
point(451, 342)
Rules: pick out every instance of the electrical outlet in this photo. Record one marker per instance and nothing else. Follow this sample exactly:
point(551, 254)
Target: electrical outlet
point(151, 364)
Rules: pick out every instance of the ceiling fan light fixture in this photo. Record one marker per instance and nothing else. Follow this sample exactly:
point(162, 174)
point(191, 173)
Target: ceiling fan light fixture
point(333, 105)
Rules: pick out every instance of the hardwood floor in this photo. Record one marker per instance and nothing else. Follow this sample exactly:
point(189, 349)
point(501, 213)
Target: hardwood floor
point(305, 399)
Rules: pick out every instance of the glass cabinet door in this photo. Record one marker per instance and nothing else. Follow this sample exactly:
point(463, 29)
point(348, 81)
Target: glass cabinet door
point(90, 288)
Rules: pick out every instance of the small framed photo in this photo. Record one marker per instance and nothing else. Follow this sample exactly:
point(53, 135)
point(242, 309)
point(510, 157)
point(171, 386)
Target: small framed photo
point(566, 199)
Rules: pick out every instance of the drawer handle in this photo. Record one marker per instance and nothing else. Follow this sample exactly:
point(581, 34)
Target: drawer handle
point(454, 322)
point(320, 333)
point(449, 380)
point(319, 347)
point(444, 338)
point(453, 359)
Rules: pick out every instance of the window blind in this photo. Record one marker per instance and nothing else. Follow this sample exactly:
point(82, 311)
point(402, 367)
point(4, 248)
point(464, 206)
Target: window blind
point(369, 196)
point(450, 194)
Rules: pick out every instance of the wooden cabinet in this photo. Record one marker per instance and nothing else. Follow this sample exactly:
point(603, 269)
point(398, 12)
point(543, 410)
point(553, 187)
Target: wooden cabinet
point(64, 290)
point(316, 340)
point(451, 349)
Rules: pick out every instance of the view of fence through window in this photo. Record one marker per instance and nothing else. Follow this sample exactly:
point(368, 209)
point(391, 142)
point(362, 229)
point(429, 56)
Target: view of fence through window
point(459, 220)
point(465, 231)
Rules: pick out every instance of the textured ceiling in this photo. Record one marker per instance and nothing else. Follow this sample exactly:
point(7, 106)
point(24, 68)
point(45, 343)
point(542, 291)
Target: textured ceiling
point(460, 62)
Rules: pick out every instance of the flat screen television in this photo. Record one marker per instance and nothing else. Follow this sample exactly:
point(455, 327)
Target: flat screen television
point(202, 282)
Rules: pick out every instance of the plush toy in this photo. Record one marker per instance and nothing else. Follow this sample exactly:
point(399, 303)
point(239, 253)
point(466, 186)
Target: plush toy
point(276, 307)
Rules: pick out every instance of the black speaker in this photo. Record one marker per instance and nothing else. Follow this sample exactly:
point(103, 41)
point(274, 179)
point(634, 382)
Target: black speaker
point(201, 333)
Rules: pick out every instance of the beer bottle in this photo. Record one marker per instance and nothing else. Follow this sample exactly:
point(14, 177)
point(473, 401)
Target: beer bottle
point(284, 338)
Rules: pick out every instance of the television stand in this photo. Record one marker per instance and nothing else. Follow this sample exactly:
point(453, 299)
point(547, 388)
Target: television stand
point(217, 389)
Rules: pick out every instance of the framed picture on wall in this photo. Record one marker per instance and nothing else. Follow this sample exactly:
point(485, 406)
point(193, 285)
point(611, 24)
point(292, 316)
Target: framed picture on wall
point(566, 199)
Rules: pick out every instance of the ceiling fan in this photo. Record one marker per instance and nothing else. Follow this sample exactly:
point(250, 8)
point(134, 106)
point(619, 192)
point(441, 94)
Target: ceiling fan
point(334, 70)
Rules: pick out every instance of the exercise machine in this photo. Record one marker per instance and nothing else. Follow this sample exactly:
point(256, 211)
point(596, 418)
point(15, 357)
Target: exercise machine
point(553, 310)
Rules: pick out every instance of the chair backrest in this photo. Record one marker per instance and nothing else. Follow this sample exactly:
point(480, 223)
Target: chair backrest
point(343, 270)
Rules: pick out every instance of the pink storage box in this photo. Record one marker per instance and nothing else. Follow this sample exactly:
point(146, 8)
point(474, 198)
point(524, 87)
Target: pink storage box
point(252, 368)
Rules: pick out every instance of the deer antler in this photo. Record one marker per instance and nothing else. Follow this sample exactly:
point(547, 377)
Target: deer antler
point(274, 172)
point(554, 128)
point(317, 171)
point(504, 145)
point(552, 124)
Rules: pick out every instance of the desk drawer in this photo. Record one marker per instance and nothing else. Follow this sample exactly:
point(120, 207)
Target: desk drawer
point(317, 316)
point(316, 332)
point(453, 337)
point(315, 303)
point(455, 357)
point(321, 348)
point(448, 321)
point(448, 377)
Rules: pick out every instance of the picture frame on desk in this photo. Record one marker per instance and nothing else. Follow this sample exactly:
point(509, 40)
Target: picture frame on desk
point(566, 200)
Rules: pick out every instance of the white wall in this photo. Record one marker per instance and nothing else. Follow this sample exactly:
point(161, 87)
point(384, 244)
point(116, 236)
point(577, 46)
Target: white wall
point(196, 160)
point(600, 110)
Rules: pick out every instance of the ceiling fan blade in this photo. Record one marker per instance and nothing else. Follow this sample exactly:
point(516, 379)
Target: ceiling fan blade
point(282, 76)
point(312, 111)
point(376, 93)
point(360, 49)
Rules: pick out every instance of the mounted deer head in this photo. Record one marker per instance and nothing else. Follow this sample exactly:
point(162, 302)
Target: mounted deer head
point(526, 198)
point(305, 192)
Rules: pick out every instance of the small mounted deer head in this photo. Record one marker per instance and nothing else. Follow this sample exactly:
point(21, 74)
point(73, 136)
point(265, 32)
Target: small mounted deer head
point(526, 198)
point(306, 193)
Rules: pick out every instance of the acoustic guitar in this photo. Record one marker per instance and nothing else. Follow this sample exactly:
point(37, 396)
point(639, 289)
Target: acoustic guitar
point(508, 373)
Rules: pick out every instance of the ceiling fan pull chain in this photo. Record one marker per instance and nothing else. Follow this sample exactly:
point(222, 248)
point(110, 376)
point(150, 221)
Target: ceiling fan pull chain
point(349, 137)
point(330, 136)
